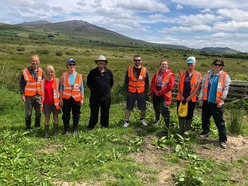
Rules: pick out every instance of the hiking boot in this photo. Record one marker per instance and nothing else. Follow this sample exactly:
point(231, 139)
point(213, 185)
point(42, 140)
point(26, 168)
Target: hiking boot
point(143, 122)
point(204, 134)
point(125, 124)
point(223, 145)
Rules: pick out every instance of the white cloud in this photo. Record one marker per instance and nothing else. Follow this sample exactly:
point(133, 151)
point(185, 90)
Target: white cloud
point(235, 14)
point(178, 7)
point(182, 29)
point(231, 26)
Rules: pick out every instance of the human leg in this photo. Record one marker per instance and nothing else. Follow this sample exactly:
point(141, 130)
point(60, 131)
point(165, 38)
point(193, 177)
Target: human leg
point(66, 109)
point(156, 106)
point(94, 112)
point(28, 111)
point(206, 114)
point(37, 107)
point(105, 105)
point(76, 115)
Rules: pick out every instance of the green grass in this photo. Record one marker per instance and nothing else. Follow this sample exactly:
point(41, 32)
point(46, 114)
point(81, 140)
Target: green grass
point(135, 155)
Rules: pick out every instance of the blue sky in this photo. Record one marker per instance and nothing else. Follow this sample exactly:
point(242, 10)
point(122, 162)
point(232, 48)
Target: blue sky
point(192, 23)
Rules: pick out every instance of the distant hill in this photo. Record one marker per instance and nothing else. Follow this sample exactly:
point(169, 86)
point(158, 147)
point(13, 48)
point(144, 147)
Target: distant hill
point(220, 50)
point(33, 23)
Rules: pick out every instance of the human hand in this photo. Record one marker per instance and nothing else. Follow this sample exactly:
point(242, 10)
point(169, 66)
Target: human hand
point(200, 103)
point(81, 102)
point(23, 98)
point(61, 103)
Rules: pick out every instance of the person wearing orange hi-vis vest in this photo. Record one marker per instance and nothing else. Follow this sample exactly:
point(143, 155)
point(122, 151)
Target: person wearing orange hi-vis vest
point(136, 85)
point(30, 89)
point(214, 90)
point(162, 83)
point(50, 99)
point(188, 86)
point(71, 96)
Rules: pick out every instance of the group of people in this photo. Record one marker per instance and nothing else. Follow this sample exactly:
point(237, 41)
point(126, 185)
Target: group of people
point(49, 94)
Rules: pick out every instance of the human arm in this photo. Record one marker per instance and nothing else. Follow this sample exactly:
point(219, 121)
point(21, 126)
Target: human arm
point(22, 84)
point(126, 82)
point(225, 91)
point(168, 87)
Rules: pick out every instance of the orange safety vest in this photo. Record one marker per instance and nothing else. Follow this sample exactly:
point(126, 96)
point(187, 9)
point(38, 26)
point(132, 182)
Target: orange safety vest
point(32, 86)
point(136, 85)
point(220, 87)
point(74, 91)
point(56, 93)
point(165, 81)
point(196, 78)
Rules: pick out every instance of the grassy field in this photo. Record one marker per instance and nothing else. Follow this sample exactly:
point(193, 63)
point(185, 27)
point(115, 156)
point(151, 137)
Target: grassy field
point(135, 155)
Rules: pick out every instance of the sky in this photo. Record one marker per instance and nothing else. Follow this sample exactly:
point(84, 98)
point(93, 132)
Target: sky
point(191, 23)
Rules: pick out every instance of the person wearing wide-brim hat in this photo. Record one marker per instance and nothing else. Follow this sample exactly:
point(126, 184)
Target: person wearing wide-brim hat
point(100, 80)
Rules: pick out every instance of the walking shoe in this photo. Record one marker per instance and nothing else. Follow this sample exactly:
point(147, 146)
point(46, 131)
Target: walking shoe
point(156, 123)
point(143, 122)
point(223, 145)
point(204, 134)
point(125, 124)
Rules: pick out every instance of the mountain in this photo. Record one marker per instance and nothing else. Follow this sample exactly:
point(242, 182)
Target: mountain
point(220, 50)
point(83, 31)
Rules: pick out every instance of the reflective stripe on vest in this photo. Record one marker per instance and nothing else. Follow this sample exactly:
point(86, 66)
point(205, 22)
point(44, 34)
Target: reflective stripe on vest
point(56, 93)
point(220, 86)
point(32, 86)
point(165, 81)
point(74, 91)
point(136, 85)
point(196, 77)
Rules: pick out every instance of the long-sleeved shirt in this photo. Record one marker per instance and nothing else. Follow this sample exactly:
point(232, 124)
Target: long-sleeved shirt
point(22, 82)
point(100, 83)
point(136, 74)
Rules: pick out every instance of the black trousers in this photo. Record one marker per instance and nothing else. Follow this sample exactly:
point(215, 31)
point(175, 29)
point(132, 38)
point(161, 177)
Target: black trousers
point(94, 107)
point(191, 108)
point(211, 109)
point(68, 106)
point(161, 107)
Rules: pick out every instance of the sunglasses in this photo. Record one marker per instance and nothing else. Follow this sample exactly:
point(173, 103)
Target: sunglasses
point(72, 64)
point(217, 64)
point(137, 60)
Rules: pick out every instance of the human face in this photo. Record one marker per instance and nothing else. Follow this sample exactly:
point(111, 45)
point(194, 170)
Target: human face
point(217, 66)
point(164, 65)
point(137, 61)
point(191, 66)
point(35, 62)
point(50, 74)
point(101, 63)
point(71, 66)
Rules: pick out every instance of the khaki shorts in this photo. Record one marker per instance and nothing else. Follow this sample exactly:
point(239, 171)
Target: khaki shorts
point(48, 109)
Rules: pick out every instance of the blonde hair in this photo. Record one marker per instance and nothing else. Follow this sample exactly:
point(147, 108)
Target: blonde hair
point(35, 55)
point(50, 67)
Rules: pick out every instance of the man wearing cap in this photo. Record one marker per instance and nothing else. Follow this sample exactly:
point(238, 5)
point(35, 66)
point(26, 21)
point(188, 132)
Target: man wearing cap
point(136, 86)
point(30, 89)
point(100, 80)
point(71, 96)
point(188, 85)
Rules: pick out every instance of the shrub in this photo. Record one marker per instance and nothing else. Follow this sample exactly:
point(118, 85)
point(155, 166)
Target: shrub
point(236, 120)
point(59, 53)
point(20, 49)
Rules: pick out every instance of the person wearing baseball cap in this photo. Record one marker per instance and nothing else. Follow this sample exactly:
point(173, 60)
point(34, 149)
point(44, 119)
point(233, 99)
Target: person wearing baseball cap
point(100, 80)
point(188, 85)
point(71, 96)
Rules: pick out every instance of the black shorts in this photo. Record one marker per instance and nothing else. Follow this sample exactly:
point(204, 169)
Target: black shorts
point(140, 98)
point(48, 109)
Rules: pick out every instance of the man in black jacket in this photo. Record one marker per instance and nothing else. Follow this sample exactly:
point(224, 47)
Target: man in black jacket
point(100, 80)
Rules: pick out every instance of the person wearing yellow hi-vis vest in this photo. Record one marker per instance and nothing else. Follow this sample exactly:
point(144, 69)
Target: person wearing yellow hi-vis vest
point(214, 90)
point(30, 89)
point(161, 86)
point(71, 96)
point(50, 99)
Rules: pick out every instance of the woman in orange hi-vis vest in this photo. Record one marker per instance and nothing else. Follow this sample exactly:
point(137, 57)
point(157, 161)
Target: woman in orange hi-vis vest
point(71, 96)
point(30, 89)
point(50, 99)
point(214, 90)
point(188, 85)
point(161, 86)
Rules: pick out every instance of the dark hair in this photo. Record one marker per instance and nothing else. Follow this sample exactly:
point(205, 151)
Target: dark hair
point(136, 55)
point(219, 60)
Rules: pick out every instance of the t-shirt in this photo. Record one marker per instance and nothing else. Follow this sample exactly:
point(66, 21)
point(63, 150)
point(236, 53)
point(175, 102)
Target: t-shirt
point(49, 92)
point(212, 88)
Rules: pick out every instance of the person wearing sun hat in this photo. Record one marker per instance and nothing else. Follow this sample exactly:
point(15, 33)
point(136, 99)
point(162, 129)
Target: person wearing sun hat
point(71, 96)
point(214, 90)
point(100, 80)
point(188, 85)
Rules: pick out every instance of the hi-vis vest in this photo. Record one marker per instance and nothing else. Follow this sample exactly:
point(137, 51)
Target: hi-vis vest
point(56, 93)
point(136, 85)
point(32, 86)
point(196, 78)
point(220, 87)
point(165, 81)
point(74, 91)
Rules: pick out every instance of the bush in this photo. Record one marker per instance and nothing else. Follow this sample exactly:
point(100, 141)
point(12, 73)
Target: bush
point(58, 53)
point(20, 49)
point(236, 120)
